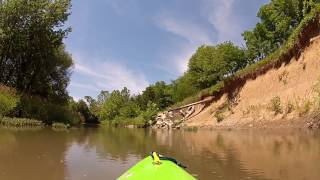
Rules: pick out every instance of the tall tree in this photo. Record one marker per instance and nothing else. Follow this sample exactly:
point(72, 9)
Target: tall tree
point(32, 55)
point(183, 87)
point(112, 105)
point(277, 21)
point(211, 64)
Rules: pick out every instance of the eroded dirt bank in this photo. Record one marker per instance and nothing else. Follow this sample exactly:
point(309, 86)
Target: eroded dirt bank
point(283, 97)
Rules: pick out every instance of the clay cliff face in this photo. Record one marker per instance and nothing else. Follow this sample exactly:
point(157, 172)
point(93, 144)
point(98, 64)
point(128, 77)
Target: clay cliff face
point(285, 96)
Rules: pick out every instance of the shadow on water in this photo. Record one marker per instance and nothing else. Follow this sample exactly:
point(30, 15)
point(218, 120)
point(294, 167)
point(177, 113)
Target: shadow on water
point(105, 153)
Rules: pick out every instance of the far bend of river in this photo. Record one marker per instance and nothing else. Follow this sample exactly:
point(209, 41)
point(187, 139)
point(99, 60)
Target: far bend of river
point(105, 153)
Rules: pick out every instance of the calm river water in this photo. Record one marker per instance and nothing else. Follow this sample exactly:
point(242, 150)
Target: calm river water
point(104, 154)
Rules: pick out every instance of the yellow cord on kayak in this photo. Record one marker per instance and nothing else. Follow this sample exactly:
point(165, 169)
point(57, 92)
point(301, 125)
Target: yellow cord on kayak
point(156, 159)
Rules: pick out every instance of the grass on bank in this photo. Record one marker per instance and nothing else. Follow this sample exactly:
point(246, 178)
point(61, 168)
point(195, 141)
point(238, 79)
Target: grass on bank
point(24, 107)
point(28, 123)
point(20, 122)
point(281, 54)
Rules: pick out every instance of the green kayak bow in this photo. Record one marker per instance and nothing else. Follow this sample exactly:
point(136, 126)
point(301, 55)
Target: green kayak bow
point(157, 167)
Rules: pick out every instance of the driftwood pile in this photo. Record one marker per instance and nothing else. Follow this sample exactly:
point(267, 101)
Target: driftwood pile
point(171, 119)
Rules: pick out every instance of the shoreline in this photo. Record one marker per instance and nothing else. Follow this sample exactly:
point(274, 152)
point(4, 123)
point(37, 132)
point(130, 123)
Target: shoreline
point(297, 123)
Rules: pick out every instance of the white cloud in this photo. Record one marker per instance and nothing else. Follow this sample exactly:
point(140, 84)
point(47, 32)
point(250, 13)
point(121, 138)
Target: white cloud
point(187, 30)
point(179, 60)
point(193, 33)
point(108, 75)
point(222, 17)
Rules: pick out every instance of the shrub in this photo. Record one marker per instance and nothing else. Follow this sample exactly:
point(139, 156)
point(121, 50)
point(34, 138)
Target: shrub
point(283, 77)
point(289, 108)
point(200, 95)
point(219, 116)
point(275, 105)
point(8, 100)
point(142, 120)
point(37, 108)
point(305, 108)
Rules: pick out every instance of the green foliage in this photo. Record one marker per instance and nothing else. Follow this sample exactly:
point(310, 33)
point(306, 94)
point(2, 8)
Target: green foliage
point(33, 59)
point(8, 100)
point(182, 88)
point(305, 108)
point(188, 100)
point(148, 115)
point(219, 116)
point(158, 94)
point(38, 108)
point(278, 20)
point(211, 64)
point(113, 104)
point(20, 122)
point(213, 90)
point(275, 105)
point(32, 55)
point(120, 108)
point(286, 46)
point(82, 108)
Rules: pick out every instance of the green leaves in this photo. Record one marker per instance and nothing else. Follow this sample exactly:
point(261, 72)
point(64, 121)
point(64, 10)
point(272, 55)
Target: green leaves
point(211, 64)
point(32, 55)
point(8, 100)
point(278, 19)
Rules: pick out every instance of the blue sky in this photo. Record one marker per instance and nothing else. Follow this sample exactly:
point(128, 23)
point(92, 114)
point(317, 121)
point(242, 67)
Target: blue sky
point(134, 43)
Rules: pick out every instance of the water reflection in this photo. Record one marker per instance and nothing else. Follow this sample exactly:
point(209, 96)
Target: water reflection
point(32, 155)
point(83, 154)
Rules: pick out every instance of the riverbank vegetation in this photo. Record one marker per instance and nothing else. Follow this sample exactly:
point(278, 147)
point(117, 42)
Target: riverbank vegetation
point(35, 68)
point(283, 29)
point(20, 122)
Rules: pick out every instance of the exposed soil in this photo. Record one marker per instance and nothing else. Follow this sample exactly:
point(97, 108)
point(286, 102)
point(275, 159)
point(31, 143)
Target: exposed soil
point(282, 97)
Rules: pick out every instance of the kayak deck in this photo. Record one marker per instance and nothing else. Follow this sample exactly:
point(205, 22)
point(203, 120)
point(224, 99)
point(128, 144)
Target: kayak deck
point(147, 169)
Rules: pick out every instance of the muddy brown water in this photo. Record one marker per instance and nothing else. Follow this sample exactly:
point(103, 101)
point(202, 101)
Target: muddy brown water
point(104, 154)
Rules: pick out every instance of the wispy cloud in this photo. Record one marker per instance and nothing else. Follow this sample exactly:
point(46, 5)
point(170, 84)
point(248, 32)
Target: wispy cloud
point(176, 62)
point(193, 33)
point(106, 75)
point(223, 19)
point(185, 29)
